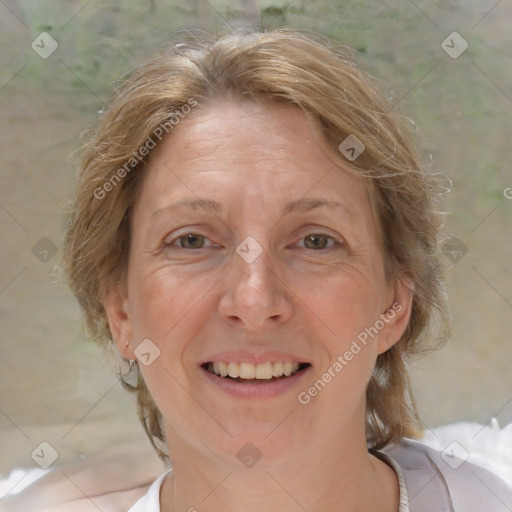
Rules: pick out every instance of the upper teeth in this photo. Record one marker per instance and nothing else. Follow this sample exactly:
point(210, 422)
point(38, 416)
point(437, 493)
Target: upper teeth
point(253, 371)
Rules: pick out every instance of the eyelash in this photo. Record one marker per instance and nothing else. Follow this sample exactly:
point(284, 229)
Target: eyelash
point(184, 235)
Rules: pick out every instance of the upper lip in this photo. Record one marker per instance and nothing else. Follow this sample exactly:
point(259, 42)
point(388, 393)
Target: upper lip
point(250, 356)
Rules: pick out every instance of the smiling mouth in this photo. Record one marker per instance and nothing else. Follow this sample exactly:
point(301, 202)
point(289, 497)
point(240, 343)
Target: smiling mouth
point(254, 373)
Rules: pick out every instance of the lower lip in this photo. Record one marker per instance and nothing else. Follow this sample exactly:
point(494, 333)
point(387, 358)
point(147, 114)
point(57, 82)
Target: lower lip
point(251, 390)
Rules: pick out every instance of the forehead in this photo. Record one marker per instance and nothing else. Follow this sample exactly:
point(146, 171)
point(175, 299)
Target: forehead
point(243, 131)
point(263, 151)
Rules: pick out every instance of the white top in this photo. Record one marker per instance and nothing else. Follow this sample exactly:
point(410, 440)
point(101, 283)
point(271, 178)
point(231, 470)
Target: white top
point(403, 506)
point(428, 481)
point(150, 502)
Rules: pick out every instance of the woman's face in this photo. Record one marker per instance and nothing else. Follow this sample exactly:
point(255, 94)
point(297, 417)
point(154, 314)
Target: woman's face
point(251, 248)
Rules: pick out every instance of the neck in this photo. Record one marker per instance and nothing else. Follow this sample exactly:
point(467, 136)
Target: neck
point(345, 479)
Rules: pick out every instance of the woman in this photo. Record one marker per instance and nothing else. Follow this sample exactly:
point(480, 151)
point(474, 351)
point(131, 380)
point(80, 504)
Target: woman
point(254, 230)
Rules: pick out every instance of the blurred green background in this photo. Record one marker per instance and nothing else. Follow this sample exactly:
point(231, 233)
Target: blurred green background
point(56, 386)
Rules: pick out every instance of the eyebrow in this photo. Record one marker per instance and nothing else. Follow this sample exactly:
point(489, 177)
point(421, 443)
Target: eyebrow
point(307, 204)
point(195, 203)
point(298, 205)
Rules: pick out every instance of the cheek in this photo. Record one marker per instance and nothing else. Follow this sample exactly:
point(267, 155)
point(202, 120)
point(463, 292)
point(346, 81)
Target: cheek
point(343, 304)
point(345, 308)
point(166, 309)
point(171, 308)
point(161, 300)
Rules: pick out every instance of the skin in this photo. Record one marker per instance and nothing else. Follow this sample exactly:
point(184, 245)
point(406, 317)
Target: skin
point(254, 158)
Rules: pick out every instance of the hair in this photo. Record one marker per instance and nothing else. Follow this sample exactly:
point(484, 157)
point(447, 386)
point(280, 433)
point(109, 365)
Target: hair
point(318, 77)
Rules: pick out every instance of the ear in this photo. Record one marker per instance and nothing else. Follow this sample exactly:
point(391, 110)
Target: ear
point(396, 316)
point(118, 314)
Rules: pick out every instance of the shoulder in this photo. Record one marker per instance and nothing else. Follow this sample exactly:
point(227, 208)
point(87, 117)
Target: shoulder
point(442, 481)
point(150, 502)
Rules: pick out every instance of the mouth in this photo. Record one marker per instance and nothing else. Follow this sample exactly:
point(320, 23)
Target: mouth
point(250, 373)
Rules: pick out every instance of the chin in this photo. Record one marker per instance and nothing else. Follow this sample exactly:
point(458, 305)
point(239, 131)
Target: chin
point(264, 447)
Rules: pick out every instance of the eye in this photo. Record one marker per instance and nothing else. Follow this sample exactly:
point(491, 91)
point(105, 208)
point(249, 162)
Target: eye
point(318, 241)
point(188, 241)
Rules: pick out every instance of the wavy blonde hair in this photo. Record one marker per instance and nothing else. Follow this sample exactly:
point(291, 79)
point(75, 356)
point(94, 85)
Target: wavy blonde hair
point(318, 77)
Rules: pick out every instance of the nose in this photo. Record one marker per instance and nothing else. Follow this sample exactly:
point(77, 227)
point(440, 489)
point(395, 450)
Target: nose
point(255, 296)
